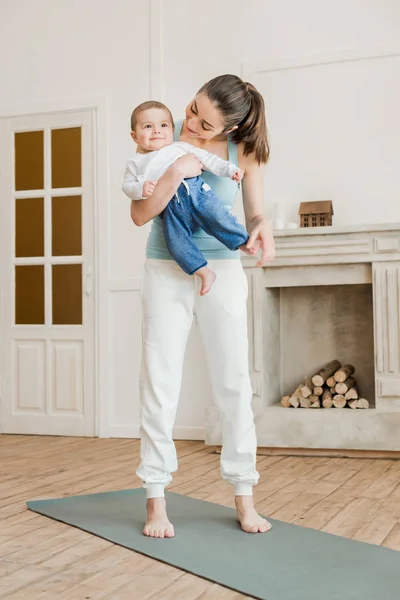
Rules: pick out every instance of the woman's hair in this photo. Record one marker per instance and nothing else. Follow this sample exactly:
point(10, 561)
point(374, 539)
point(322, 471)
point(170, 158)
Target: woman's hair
point(145, 106)
point(241, 105)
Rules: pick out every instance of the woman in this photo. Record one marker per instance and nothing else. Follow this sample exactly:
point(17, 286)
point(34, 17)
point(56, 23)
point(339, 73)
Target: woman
point(226, 117)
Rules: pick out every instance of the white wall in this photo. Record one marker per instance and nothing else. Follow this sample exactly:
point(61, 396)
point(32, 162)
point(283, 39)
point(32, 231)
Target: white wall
point(334, 127)
point(54, 50)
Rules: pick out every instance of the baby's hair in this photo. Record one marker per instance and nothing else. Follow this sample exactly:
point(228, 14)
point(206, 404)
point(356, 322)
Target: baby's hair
point(146, 106)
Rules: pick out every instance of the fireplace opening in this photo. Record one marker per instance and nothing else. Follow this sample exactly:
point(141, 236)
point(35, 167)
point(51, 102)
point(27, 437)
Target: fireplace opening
point(313, 326)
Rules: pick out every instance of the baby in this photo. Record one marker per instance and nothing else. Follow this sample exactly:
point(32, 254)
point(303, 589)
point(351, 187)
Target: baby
point(194, 205)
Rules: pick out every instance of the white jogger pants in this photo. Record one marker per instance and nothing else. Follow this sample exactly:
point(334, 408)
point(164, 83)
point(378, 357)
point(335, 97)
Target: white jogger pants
point(170, 298)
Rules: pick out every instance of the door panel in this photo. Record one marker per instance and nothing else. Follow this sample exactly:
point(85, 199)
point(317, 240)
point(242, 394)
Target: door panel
point(47, 241)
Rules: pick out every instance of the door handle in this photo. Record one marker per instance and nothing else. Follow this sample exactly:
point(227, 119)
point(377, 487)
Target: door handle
point(89, 281)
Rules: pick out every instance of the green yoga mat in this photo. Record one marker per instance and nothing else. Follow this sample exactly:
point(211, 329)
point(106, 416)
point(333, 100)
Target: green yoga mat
point(287, 563)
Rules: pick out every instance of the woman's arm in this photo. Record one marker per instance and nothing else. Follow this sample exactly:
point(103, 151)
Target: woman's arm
point(212, 162)
point(143, 211)
point(257, 224)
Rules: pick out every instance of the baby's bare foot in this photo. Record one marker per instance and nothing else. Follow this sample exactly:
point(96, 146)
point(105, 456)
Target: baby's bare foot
point(252, 250)
point(207, 279)
point(158, 524)
point(249, 519)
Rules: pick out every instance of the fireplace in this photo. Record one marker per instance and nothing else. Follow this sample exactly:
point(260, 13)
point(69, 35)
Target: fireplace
point(322, 323)
point(331, 293)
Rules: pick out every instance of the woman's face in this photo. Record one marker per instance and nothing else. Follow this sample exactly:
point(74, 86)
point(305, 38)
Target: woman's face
point(203, 119)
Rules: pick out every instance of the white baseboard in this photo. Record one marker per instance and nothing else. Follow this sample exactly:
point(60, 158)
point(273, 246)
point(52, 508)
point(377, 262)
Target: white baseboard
point(190, 433)
point(179, 433)
point(122, 431)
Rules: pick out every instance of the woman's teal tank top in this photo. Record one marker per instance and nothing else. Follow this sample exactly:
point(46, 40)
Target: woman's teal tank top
point(225, 189)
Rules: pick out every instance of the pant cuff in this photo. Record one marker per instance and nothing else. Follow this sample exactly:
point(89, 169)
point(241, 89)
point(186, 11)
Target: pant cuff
point(197, 268)
point(155, 490)
point(245, 240)
point(243, 489)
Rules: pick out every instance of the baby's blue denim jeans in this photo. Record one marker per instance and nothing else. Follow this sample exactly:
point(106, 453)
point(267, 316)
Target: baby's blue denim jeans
point(194, 207)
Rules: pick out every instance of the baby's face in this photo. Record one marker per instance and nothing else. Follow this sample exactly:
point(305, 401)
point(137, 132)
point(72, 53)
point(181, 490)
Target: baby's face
point(153, 130)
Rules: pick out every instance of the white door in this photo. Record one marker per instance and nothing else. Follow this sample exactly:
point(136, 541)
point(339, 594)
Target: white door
point(47, 252)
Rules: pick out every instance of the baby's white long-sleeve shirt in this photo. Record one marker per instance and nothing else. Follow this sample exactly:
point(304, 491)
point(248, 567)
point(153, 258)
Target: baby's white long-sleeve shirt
point(152, 165)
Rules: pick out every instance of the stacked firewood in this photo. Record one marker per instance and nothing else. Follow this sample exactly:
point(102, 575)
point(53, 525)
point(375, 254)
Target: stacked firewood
point(334, 386)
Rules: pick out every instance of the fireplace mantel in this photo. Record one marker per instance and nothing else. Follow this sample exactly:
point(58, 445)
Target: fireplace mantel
point(325, 256)
point(334, 245)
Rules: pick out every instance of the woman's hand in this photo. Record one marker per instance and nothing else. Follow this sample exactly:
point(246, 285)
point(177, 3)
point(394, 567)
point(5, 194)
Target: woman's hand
point(142, 211)
point(261, 236)
point(188, 166)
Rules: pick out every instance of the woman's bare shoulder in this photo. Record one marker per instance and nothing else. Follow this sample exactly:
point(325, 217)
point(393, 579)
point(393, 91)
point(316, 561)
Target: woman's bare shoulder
point(247, 162)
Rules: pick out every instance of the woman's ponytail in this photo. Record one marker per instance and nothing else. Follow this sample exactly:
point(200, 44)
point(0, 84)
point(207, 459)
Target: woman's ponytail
point(241, 106)
point(252, 131)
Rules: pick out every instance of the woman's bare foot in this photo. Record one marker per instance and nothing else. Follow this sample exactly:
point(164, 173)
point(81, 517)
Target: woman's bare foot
point(158, 524)
point(249, 519)
point(207, 279)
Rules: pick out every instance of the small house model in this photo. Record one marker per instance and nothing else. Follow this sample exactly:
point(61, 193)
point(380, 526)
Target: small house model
point(316, 214)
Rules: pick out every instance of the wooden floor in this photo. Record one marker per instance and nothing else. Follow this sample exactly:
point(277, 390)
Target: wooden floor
point(41, 559)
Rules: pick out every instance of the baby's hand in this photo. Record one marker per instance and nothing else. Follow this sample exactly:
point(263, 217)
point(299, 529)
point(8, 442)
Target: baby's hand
point(238, 176)
point(148, 188)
